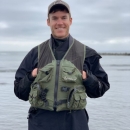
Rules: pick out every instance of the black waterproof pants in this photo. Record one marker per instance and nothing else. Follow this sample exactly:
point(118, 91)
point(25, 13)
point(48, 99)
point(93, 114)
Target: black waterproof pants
point(51, 120)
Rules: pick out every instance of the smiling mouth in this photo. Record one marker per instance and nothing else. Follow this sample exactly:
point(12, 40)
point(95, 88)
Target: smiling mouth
point(60, 28)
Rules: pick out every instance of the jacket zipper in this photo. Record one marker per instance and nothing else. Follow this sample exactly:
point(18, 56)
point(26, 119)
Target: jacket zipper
point(56, 83)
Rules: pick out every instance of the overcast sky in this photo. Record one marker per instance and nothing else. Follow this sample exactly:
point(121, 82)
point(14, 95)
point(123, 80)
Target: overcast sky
point(100, 24)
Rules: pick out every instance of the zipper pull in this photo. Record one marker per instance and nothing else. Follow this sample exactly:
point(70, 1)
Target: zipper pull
point(68, 104)
point(58, 62)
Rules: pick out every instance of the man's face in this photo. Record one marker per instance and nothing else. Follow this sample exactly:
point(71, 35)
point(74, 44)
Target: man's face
point(59, 23)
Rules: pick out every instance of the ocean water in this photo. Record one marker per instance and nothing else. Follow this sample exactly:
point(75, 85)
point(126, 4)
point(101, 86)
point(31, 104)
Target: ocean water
point(110, 112)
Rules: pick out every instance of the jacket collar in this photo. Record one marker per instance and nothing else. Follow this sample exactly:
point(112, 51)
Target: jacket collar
point(70, 40)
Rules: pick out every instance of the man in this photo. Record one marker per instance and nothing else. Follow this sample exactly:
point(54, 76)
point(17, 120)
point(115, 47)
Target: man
point(56, 76)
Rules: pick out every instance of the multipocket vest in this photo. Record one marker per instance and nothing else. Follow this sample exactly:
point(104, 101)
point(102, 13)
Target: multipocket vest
point(59, 82)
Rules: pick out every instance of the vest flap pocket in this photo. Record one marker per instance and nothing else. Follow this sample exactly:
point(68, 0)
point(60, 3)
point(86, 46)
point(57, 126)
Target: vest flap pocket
point(68, 74)
point(83, 96)
point(82, 102)
point(68, 70)
point(77, 97)
point(35, 94)
point(79, 90)
point(46, 69)
point(45, 74)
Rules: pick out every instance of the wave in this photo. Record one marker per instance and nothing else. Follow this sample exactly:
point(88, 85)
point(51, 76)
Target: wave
point(8, 70)
point(3, 83)
point(118, 65)
point(12, 52)
point(123, 69)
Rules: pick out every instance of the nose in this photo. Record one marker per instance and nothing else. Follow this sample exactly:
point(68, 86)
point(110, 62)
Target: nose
point(59, 21)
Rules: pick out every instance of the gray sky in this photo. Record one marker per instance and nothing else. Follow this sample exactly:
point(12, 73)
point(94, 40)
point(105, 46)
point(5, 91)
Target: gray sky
point(100, 24)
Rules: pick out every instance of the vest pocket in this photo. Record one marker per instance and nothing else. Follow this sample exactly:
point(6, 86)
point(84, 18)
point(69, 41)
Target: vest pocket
point(45, 74)
point(34, 98)
point(77, 99)
point(69, 74)
point(82, 102)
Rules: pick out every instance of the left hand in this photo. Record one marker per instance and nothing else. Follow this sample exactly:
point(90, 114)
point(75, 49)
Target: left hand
point(84, 75)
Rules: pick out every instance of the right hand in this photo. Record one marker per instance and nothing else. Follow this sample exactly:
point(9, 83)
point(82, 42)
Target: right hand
point(34, 72)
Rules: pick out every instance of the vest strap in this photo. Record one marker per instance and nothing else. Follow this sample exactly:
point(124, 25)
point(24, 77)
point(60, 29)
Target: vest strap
point(65, 89)
point(60, 102)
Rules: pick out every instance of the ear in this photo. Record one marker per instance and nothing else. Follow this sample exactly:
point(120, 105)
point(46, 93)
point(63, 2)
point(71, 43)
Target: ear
point(70, 21)
point(48, 22)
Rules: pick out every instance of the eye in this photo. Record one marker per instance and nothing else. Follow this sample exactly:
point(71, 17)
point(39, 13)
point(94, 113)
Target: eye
point(54, 18)
point(64, 18)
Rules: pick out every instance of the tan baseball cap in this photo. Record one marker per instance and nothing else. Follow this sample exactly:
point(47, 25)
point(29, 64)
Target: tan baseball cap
point(58, 2)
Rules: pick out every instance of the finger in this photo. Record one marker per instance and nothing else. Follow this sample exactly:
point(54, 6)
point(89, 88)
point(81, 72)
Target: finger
point(84, 75)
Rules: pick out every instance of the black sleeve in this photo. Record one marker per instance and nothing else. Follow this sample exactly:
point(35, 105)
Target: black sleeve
point(97, 81)
point(23, 78)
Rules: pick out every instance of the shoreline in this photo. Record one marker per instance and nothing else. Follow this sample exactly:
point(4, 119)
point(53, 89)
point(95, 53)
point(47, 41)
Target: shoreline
point(101, 53)
point(120, 54)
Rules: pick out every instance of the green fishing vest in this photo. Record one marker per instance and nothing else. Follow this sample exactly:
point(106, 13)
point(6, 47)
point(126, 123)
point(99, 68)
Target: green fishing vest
point(60, 81)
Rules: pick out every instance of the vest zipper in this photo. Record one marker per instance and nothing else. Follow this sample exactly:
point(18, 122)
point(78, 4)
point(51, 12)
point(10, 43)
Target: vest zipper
point(70, 95)
point(56, 83)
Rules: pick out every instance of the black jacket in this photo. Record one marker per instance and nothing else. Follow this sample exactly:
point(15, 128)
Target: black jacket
point(96, 85)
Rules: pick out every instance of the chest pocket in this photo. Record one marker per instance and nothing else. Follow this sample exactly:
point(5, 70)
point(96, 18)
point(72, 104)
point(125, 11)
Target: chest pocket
point(69, 74)
point(45, 74)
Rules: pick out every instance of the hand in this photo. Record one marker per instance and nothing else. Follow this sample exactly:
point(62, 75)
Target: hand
point(34, 72)
point(84, 75)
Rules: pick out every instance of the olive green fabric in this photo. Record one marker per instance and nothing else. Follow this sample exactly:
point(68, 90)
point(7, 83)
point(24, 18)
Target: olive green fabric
point(42, 81)
point(61, 81)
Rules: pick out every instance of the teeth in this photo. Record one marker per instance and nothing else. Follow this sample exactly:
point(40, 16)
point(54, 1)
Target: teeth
point(59, 28)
